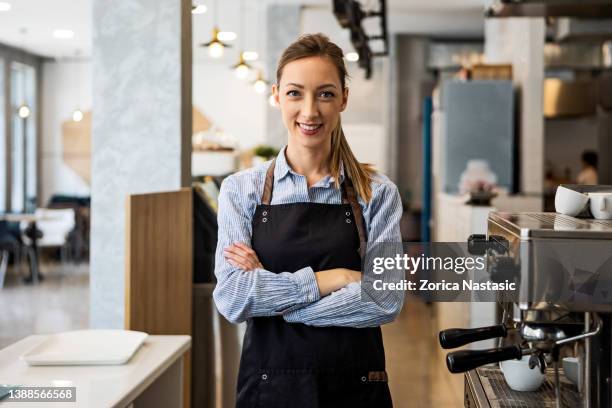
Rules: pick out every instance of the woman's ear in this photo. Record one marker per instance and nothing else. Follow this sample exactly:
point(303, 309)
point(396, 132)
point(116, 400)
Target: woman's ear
point(345, 94)
point(276, 95)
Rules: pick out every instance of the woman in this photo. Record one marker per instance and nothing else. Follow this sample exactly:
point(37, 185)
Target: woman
point(288, 259)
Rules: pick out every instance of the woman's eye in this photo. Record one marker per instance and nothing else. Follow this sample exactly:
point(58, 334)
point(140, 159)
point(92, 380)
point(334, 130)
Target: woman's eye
point(327, 94)
point(293, 93)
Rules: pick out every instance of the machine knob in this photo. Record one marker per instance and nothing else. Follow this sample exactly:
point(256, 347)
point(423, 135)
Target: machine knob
point(477, 244)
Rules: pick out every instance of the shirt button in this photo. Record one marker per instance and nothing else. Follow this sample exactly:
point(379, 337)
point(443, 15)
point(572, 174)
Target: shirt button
point(348, 213)
point(363, 379)
point(348, 221)
point(265, 213)
point(265, 377)
point(265, 219)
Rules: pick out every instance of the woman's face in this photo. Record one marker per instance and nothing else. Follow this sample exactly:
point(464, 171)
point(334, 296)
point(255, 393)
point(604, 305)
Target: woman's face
point(310, 97)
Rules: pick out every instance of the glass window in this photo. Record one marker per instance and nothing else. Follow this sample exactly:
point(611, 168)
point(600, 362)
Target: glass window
point(23, 138)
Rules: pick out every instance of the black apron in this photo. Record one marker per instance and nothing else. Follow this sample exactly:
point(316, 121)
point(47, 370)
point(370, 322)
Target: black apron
point(294, 365)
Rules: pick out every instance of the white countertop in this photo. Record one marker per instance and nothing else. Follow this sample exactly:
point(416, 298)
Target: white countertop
point(96, 386)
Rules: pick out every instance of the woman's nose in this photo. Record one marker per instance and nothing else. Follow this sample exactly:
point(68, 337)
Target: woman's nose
point(309, 108)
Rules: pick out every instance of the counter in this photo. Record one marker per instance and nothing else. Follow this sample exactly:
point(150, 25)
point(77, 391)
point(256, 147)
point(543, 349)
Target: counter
point(152, 378)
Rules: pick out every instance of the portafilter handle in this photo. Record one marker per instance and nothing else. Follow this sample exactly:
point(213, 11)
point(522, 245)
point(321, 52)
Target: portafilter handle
point(453, 338)
point(466, 360)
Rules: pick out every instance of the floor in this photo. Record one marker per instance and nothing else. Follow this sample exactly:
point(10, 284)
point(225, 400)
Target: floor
point(60, 302)
point(417, 372)
point(418, 376)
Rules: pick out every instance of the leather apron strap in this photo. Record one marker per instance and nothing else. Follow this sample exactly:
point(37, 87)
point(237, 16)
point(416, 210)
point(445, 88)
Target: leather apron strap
point(348, 195)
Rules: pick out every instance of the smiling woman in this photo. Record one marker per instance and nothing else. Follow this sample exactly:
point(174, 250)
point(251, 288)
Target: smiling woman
point(292, 232)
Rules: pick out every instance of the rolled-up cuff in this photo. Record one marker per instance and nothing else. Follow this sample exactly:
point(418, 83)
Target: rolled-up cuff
point(306, 283)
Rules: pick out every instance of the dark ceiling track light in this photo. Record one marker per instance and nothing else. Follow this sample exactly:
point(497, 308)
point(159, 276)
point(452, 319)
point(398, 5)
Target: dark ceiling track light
point(350, 14)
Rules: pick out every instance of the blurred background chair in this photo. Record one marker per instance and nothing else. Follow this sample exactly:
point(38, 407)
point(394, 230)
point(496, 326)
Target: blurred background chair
point(9, 244)
point(55, 226)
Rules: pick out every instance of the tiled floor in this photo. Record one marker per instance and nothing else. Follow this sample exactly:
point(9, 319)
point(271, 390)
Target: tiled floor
point(60, 302)
point(418, 375)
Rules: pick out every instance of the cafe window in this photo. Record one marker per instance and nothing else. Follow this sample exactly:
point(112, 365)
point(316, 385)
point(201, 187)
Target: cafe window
point(23, 159)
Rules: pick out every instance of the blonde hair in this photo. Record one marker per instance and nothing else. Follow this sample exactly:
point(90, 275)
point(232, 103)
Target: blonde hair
point(319, 45)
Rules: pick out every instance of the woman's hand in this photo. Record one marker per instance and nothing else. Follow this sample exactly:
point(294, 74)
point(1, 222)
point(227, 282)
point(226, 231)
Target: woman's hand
point(242, 256)
point(331, 280)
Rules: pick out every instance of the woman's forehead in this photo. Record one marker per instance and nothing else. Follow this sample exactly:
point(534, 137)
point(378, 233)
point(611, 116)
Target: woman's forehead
point(310, 71)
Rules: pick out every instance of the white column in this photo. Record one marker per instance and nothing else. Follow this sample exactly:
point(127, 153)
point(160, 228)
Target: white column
point(141, 139)
point(520, 42)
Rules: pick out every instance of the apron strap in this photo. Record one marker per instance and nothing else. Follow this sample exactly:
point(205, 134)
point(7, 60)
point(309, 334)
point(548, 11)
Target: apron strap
point(349, 190)
point(348, 195)
point(266, 197)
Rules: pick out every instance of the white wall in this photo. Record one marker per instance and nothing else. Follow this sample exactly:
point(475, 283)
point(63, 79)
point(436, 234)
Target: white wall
point(66, 85)
point(228, 102)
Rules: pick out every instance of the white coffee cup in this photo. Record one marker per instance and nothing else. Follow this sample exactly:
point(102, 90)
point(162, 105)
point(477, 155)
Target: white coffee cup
point(571, 368)
point(519, 376)
point(601, 205)
point(570, 202)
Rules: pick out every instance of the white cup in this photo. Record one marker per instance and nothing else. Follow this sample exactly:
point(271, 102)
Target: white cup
point(570, 202)
point(601, 205)
point(519, 376)
point(571, 368)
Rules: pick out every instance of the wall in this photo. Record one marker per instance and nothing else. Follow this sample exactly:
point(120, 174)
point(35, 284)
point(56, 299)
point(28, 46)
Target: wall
point(66, 86)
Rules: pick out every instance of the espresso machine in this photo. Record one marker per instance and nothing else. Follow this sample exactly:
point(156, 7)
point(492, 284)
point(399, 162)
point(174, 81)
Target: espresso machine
point(561, 307)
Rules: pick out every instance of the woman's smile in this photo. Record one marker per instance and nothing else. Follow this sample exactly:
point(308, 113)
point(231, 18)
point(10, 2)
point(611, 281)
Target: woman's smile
point(309, 129)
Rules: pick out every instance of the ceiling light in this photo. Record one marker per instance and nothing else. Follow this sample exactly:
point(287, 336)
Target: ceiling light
point(215, 45)
point(4, 6)
point(198, 9)
point(23, 111)
point(77, 115)
point(242, 69)
point(250, 55)
point(352, 56)
point(63, 34)
point(227, 35)
point(260, 83)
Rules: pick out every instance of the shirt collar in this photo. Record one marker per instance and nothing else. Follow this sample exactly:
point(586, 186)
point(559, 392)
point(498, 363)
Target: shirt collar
point(282, 168)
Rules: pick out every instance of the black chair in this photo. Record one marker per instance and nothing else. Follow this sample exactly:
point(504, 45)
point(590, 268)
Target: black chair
point(9, 244)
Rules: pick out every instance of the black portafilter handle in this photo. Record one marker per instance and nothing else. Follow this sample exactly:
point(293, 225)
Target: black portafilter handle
point(477, 244)
point(466, 360)
point(453, 338)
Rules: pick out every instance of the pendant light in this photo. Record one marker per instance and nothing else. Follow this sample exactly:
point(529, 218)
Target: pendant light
point(241, 68)
point(215, 45)
point(260, 84)
point(24, 110)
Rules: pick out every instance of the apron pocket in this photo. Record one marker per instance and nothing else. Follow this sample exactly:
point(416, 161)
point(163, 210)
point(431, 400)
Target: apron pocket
point(282, 388)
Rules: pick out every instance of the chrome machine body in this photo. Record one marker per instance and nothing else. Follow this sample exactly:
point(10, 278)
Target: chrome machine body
point(562, 266)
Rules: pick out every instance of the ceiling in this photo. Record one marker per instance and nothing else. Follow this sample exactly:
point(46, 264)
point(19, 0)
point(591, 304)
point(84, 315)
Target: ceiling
point(41, 17)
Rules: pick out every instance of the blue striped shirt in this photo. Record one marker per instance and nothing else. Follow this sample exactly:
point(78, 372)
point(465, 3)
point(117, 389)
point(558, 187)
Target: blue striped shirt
point(241, 294)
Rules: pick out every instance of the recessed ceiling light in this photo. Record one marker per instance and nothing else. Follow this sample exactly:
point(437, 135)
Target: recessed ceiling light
point(352, 56)
point(227, 36)
point(4, 6)
point(63, 34)
point(199, 9)
point(250, 55)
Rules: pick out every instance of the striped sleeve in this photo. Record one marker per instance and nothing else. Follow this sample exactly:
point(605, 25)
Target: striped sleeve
point(241, 294)
point(350, 306)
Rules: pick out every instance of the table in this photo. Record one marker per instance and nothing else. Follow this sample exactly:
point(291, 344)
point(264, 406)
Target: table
point(152, 378)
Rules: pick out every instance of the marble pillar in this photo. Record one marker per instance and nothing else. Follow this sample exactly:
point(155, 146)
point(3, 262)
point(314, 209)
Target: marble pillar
point(141, 131)
point(282, 28)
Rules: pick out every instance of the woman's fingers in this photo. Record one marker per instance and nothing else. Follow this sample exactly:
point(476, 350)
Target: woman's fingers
point(242, 256)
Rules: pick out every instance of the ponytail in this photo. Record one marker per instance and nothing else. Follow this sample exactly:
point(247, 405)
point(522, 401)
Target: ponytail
point(360, 174)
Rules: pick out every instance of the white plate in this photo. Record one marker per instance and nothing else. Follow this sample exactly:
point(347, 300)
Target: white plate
point(86, 347)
